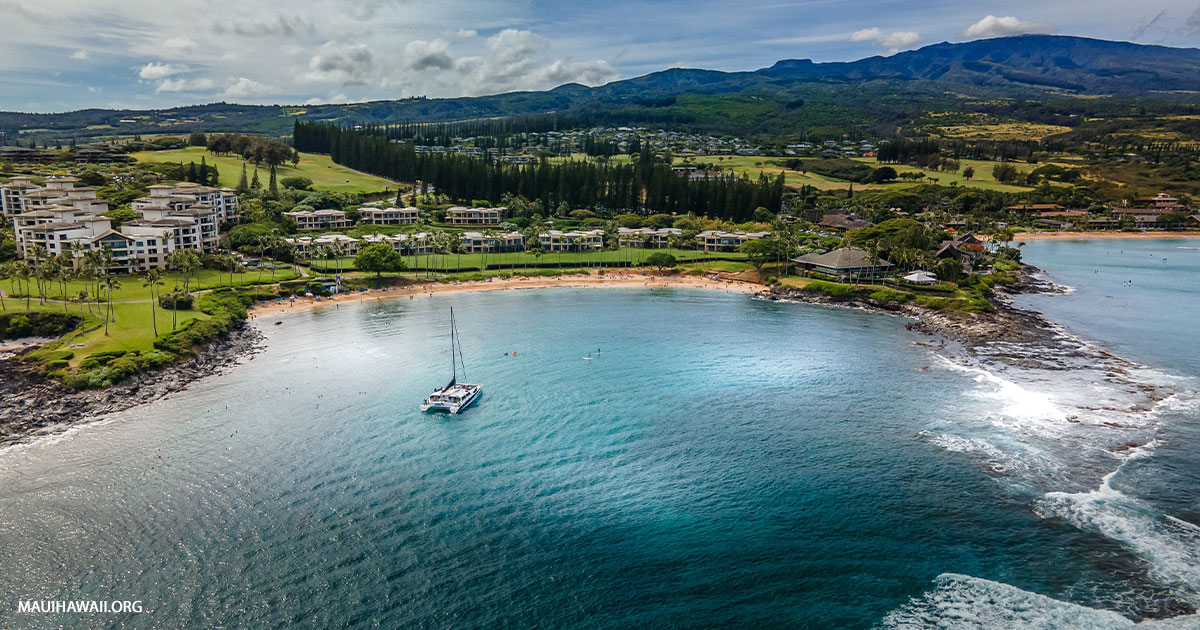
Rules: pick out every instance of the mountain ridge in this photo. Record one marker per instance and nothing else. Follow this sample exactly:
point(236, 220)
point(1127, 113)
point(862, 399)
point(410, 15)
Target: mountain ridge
point(1022, 67)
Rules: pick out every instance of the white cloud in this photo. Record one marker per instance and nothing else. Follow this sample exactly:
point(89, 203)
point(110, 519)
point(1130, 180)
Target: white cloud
point(176, 47)
point(200, 84)
point(466, 33)
point(423, 55)
point(992, 26)
point(243, 87)
point(591, 73)
point(152, 70)
point(893, 41)
point(80, 55)
point(344, 64)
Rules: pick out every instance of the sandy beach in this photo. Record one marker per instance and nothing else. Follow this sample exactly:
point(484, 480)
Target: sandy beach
point(591, 281)
point(1087, 236)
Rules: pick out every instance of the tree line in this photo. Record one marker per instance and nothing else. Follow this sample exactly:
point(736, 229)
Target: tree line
point(646, 184)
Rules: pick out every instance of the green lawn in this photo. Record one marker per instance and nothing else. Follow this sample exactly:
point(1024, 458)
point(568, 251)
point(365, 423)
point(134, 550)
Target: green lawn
point(752, 165)
point(319, 168)
point(130, 328)
point(494, 261)
point(132, 289)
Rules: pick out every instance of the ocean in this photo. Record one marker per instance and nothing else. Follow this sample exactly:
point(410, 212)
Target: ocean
point(720, 461)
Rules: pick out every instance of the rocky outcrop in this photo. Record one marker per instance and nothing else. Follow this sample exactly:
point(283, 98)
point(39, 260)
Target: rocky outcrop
point(32, 404)
point(1008, 325)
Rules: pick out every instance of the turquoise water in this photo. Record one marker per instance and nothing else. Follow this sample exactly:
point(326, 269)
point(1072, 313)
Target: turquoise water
point(721, 462)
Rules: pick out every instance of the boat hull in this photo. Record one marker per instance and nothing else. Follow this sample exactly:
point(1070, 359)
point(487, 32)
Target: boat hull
point(453, 407)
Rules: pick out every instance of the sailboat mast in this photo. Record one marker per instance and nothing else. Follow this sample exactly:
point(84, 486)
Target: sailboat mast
point(453, 366)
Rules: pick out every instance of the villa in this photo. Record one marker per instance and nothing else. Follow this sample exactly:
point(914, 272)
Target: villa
point(388, 216)
point(558, 241)
point(845, 264)
point(647, 238)
point(417, 244)
point(718, 241)
point(319, 220)
point(477, 242)
point(459, 215)
point(339, 245)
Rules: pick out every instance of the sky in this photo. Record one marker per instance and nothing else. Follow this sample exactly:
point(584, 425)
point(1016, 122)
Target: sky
point(59, 55)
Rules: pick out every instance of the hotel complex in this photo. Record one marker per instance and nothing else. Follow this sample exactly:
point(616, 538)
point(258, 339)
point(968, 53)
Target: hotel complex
point(63, 218)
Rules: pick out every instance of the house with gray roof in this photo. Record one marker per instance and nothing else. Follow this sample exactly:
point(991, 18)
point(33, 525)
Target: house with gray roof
point(845, 263)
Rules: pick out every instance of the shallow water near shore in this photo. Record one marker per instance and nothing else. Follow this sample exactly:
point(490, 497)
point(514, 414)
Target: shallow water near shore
point(721, 461)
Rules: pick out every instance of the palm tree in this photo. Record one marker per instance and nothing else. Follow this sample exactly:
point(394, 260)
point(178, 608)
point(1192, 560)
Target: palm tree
point(110, 283)
point(38, 255)
point(153, 279)
point(21, 272)
point(5, 273)
point(63, 272)
point(327, 253)
point(338, 250)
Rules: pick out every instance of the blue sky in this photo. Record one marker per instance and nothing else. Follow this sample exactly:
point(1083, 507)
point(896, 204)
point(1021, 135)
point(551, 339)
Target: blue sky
point(59, 55)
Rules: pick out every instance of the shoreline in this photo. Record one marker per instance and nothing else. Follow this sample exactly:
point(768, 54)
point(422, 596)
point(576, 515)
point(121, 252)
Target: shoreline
point(591, 281)
point(1094, 235)
point(60, 409)
point(33, 406)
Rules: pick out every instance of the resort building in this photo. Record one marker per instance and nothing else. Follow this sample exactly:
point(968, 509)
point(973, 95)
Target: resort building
point(327, 246)
point(417, 244)
point(477, 242)
point(388, 216)
point(647, 238)
point(718, 241)
point(186, 194)
point(319, 220)
point(1142, 217)
point(459, 215)
point(64, 218)
point(1161, 201)
point(12, 195)
point(558, 241)
point(847, 263)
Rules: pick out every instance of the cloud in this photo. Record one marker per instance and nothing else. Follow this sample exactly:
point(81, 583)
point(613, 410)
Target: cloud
point(423, 55)
point(179, 47)
point(243, 87)
point(466, 33)
point(23, 10)
point(282, 26)
point(992, 26)
point(185, 85)
point(893, 41)
point(345, 64)
point(591, 73)
point(152, 70)
point(80, 55)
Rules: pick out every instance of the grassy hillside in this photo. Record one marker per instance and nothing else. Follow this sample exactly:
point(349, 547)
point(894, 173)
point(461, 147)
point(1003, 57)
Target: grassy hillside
point(319, 168)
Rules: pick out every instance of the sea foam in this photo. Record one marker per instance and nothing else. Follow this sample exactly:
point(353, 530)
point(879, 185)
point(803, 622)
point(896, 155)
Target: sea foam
point(962, 601)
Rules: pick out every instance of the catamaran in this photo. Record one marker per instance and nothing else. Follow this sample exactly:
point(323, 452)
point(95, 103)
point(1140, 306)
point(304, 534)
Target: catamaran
point(456, 396)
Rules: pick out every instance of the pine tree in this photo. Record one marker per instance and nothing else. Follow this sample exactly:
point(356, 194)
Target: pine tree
point(202, 177)
point(191, 172)
point(243, 186)
point(272, 187)
point(254, 183)
point(216, 178)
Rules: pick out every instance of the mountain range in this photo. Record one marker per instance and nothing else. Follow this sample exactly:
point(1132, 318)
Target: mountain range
point(1043, 78)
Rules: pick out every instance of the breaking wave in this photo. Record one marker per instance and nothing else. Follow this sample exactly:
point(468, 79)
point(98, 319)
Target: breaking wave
point(962, 601)
point(1058, 422)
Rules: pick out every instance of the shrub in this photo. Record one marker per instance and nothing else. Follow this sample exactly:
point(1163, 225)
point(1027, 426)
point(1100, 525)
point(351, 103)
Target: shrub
point(891, 295)
point(834, 290)
point(297, 182)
